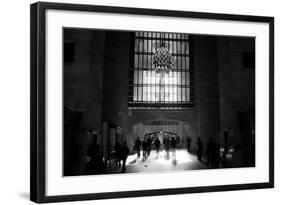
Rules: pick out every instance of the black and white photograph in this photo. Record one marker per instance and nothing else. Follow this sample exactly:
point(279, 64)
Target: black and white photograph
point(134, 102)
point(143, 101)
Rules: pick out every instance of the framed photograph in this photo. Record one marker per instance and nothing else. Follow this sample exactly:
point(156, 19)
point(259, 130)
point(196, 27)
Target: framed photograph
point(129, 102)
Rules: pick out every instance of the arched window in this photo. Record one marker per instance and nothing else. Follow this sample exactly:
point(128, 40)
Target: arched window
point(151, 90)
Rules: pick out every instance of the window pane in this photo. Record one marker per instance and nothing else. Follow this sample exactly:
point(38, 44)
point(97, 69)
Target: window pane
point(186, 48)
point(140, 97)
point(179, 94)
point(183, 77)
point(135, 94)
point(183, 94)
point(135, 77)
point(187, 78)
point(136, 61)
point(186, 59)
point(188, 94)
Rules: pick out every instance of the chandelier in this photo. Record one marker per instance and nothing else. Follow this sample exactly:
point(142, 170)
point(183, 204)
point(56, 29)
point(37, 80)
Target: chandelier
point(162, 60)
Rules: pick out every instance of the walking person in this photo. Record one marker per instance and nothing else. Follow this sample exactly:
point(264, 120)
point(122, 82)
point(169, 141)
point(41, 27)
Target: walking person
point(216, 158)
point(144, 149)
point(157, 145)
point(148, 145)
point(188, 143)
point(199, 149)
point(167, 146)
point(124, 154)
point(138, 146)
point(173, 146)
point(117, 149)
point(210, 151)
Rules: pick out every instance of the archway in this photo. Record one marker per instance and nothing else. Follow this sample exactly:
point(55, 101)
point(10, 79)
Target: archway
point(161, 128)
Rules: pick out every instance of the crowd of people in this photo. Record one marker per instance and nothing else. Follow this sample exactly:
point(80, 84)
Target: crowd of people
point(169, 144)
point(97, 164)
point(121, 153)
point(213, 157)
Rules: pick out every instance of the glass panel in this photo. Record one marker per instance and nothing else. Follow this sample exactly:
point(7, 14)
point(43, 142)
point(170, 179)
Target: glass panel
point(183, 94)
point(144, 94)
point(153, 92)
point(135, 77)
point(186, 48)
point(187, 78)
point(183, 66)
point(183, 77)
point(135, 94)
point(145, 77)
point(141, 45)
point(149, 93)
point(136, 45)
point(188, 94)
point(145, 61)
point(180, 63)
point(187, 62)
point(140, 60)
point(179, 94)
point(174, 94)
point(175, 62)
point(140, 98)
point(136, 61)
point(149, 63)
point(140, 74)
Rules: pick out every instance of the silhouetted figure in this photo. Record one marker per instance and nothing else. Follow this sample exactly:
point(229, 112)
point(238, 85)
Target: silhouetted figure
point(173, 146)
point(148, 145)
point(138, 146)
point(178, 140)
point(144, 149)
point(210, 150)
point(188, 143)
point(199, 149)
point(216, 158)
point(117, 148)
point(157, 144)
point(96, 164)
point(167, 146)
point(124, 154)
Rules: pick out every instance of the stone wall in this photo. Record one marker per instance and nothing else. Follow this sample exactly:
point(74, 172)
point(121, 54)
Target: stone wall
point(83, 80)
point(206, 86)
point(115, 82)
point(237, 84)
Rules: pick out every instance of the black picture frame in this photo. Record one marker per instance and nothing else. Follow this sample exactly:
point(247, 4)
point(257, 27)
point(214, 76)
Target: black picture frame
point(38, 101)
